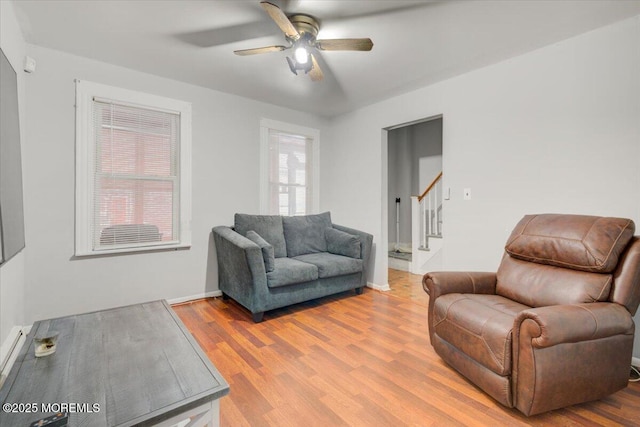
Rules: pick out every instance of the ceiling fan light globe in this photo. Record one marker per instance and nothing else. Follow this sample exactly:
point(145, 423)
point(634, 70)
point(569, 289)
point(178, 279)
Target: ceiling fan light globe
point(301, 55)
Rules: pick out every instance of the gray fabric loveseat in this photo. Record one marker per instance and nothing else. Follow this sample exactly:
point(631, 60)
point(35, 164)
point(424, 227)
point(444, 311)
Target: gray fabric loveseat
point(270, 261)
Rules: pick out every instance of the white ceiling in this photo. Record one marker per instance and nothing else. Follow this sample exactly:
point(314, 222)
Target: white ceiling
point(416, 43)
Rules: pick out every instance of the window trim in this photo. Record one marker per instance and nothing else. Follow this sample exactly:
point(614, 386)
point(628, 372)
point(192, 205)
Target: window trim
point(85, 163)
point(314, 134)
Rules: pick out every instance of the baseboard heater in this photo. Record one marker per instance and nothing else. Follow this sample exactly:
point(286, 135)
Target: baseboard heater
point(9, 353)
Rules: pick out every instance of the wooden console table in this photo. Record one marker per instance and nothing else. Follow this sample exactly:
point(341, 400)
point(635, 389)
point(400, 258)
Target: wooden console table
point(128, 366)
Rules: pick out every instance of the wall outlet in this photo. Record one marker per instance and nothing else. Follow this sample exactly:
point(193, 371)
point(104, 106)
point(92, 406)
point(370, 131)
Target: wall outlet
point(467, 194)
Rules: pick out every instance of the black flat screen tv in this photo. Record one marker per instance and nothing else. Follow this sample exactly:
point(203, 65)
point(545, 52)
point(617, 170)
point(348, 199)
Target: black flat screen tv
point(11, 207)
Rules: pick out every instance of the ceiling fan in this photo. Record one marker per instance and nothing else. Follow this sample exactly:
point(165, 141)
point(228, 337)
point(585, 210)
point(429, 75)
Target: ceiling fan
point(300, 31)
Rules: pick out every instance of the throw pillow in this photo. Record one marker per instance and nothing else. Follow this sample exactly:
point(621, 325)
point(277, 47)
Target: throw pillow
point(341, 243)
point(269, 227)
point(267, 250)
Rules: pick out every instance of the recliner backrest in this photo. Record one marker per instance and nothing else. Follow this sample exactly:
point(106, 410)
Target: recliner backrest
point(563, 259)
point(626, 278)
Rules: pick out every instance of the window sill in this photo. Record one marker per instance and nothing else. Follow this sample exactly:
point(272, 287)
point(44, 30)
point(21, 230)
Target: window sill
point(131, 251)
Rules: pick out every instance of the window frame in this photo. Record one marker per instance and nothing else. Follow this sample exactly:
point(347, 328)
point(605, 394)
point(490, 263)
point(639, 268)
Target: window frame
point(314, 134)
point(85, 164)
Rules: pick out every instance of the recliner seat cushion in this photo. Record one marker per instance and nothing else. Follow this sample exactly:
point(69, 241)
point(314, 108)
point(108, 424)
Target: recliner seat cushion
point(269, 227)
point(289, 271)
point(578, 242)
point(331, 265)
point(306, 234)
point(480, 326)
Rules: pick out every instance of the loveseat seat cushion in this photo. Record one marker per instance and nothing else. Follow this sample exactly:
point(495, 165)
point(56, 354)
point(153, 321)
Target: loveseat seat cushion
point(306, 234)
point(480, 326)
point(289, 271)
point(269, 227)
point(331, 265)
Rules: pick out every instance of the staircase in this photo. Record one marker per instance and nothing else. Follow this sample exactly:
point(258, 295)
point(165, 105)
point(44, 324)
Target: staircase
point(426, 229)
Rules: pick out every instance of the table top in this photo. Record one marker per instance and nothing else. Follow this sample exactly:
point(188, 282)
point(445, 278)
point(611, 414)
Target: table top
point(134, 365)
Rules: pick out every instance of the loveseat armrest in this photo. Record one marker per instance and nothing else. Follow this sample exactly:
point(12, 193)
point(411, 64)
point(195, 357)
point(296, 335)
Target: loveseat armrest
point(366, 242)
point(568, 354)
point(241, 270)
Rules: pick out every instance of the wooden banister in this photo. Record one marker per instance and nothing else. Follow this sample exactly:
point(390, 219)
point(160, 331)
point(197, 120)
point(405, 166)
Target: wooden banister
point(433, 183)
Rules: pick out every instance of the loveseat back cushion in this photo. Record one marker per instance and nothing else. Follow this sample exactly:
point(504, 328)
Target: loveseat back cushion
point(341, 243)
point(306, 234)
point(269, 227)
point(539, 285)
point(578, 242)
point(267, 250)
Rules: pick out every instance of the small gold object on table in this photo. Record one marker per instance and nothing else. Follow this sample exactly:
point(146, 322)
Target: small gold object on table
point(46, 344)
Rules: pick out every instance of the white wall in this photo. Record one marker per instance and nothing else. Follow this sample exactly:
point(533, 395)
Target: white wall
point(555, 130)
point(225, 180)
point(12, 282)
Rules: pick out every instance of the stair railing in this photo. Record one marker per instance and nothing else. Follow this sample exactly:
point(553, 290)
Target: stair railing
point(430, 211)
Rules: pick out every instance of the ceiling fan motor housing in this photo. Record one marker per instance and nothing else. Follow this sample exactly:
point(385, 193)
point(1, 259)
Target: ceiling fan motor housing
point(306, 25)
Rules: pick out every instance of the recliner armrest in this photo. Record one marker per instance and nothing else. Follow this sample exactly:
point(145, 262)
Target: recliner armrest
point(557, 324)
point(463, 282)
point(450, 282)
point(568, 354)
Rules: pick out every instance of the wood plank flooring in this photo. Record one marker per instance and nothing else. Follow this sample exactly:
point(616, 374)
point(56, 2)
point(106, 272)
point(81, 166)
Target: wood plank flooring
point(406, 285)
point(360, 360)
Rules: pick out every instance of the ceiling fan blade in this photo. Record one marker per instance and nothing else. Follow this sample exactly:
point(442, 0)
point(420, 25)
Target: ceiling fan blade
point(281, 20)
point(315, 73)
point(257, 50)
point(345, 44)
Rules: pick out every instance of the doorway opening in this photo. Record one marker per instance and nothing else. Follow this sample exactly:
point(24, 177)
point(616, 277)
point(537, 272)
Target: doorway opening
point(413, 195)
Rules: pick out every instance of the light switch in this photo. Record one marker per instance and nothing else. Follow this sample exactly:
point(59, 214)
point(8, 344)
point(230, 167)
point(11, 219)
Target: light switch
point(467, 194)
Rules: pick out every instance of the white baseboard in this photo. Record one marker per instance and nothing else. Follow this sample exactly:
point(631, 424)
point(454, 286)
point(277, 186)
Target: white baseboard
point(180, 300)
point(377, 287)
point(635, 361)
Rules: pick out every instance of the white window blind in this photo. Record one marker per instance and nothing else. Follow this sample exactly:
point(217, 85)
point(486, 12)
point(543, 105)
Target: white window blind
point(136, 181)
point(133, 171)
point(289, 168)
point(290, 173)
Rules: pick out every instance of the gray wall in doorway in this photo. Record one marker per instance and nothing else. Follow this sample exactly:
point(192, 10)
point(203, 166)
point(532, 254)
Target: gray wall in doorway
point(407, 145)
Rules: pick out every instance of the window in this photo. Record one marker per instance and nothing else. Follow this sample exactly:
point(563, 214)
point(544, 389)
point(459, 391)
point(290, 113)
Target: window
point(289, 169)
point(133, 171)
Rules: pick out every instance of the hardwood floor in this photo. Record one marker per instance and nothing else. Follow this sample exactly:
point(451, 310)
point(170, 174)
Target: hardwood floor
point(353, 360)
point(406, 285)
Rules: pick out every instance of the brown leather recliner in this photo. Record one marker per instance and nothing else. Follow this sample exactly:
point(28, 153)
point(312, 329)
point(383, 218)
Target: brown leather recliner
point(554, 326)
